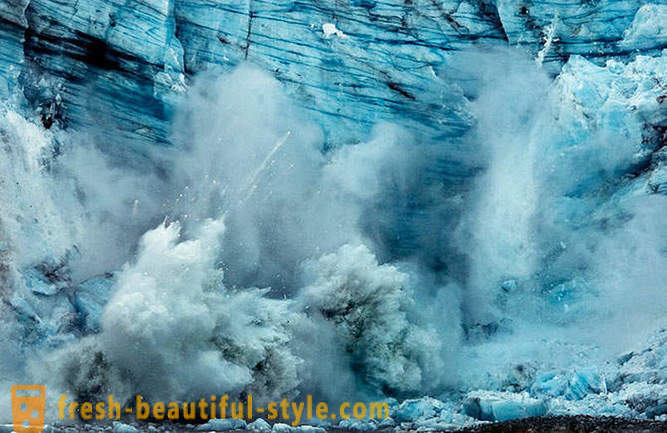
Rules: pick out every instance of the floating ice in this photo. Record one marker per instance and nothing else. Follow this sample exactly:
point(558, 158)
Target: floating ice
point(358, 424)
point(499, 406)
point(225, 424)
point(259, 426)
point(119, 427)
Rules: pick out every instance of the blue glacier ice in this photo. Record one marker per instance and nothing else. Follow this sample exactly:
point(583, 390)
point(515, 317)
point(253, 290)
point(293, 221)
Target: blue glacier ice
point(502, 407)
point(127, 64)
point(573, 386)
point(89, 299)
point(411, 410)
point(455, 204)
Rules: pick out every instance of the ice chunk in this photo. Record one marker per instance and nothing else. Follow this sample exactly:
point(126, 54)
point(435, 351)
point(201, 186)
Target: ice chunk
point(358, 424)
point(552, 384)
point(225, 424)
point(656, 411)
point(502, 406)
point(119, 427)
point(44, 309)
point(449, 418)
point(574, 385)
point(259, 426)
point(39, 284)
point(646, 365)
point(308, 429)
point(646, 398)
point(285, 428)
point(584, 382)
point(593, 404)
point(282, 428)
point(90, 298)
point(411, 410)
point(649, 28)
point(387, 422)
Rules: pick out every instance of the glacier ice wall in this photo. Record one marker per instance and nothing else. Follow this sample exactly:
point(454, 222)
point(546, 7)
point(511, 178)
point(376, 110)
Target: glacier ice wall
point(432, 197)
point(126, 65)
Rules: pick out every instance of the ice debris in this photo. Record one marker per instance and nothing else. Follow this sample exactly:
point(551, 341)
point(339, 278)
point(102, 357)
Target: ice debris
point(411, 410)
point(284, 428)
point(259, 426)
point(224, 424)
point(502, 406)
point(90, 298)
point(358, 424)
point(119, 427)
point(573, 385)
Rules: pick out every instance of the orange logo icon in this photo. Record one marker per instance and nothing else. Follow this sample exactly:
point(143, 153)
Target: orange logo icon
point(28, 403)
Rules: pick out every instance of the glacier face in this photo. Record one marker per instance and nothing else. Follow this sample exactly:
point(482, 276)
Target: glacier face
point(126, 63)
point(455, 198)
